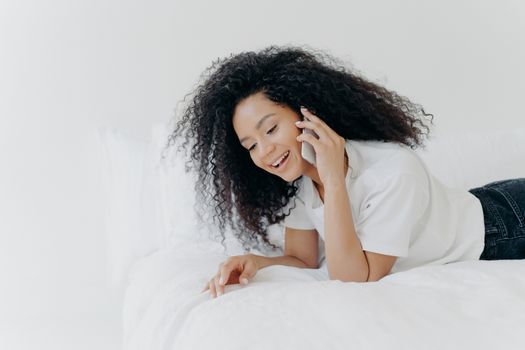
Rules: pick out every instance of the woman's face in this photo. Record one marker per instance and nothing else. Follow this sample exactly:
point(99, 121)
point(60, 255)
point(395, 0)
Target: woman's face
point(268, 132)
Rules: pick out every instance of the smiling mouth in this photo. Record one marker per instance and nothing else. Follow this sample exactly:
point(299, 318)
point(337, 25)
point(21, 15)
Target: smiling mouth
point(282, 160)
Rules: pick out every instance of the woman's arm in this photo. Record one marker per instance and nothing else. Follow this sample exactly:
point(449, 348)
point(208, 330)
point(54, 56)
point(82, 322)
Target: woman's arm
point(288, 260)
point(300, 250)
point(345, 258)
point(302, 244)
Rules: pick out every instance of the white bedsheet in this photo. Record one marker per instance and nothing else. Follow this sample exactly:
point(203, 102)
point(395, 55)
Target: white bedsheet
point(466, 305)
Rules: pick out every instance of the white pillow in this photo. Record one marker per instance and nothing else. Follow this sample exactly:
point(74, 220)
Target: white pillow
point(150, 201)
point(131, 206)
point(469, 159)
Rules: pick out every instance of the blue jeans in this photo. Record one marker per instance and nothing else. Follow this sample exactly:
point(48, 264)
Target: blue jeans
point(503, 204)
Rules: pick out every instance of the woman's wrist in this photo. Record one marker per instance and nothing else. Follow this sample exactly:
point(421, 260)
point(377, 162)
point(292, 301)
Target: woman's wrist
point(334, 185)
point(287, 260)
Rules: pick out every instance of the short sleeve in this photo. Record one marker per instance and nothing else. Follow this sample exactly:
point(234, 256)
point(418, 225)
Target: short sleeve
point(392, 215)
point(298, 217)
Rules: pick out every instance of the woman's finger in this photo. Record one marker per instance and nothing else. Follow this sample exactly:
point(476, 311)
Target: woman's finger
point(213, 291)
point(312, 117)
point(316, 127)
point(220, 283)
point(315, 119)
point(224, 276)
point(217, 286)
point(311, 139)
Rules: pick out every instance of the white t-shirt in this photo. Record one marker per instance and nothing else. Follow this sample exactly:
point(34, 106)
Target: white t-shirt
point(398, 208)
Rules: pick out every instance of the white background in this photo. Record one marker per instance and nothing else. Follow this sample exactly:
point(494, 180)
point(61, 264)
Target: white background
point(68, 67)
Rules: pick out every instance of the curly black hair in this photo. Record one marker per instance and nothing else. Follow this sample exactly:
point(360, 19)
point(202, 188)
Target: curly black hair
point(243, 195)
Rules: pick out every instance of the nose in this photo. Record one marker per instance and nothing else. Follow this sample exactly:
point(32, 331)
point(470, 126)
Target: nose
point(264, 150)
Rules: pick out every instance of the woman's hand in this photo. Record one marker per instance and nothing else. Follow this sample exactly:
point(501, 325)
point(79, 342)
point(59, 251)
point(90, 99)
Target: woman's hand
point(329, 148)
point(235, 269)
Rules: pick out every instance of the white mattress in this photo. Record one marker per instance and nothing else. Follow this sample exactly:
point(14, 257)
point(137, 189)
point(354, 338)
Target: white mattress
point(466, 305)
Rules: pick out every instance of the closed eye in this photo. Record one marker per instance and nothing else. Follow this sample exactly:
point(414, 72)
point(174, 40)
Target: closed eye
point(271, 130)
point(268, 133)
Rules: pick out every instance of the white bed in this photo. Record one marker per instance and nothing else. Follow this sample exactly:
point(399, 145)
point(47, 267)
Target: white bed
point(466, 305)
point(463, 305)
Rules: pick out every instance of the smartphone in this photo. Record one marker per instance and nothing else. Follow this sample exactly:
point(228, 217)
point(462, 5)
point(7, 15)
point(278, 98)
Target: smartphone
point(307, 150)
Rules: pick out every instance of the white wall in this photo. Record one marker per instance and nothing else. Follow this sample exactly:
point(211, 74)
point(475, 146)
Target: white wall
point(67, 67)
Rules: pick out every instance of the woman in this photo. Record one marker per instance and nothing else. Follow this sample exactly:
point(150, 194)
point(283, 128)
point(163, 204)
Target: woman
point(367, 195)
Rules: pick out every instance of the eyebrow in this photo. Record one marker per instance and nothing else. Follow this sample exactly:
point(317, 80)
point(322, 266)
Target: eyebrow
point(258, 125)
